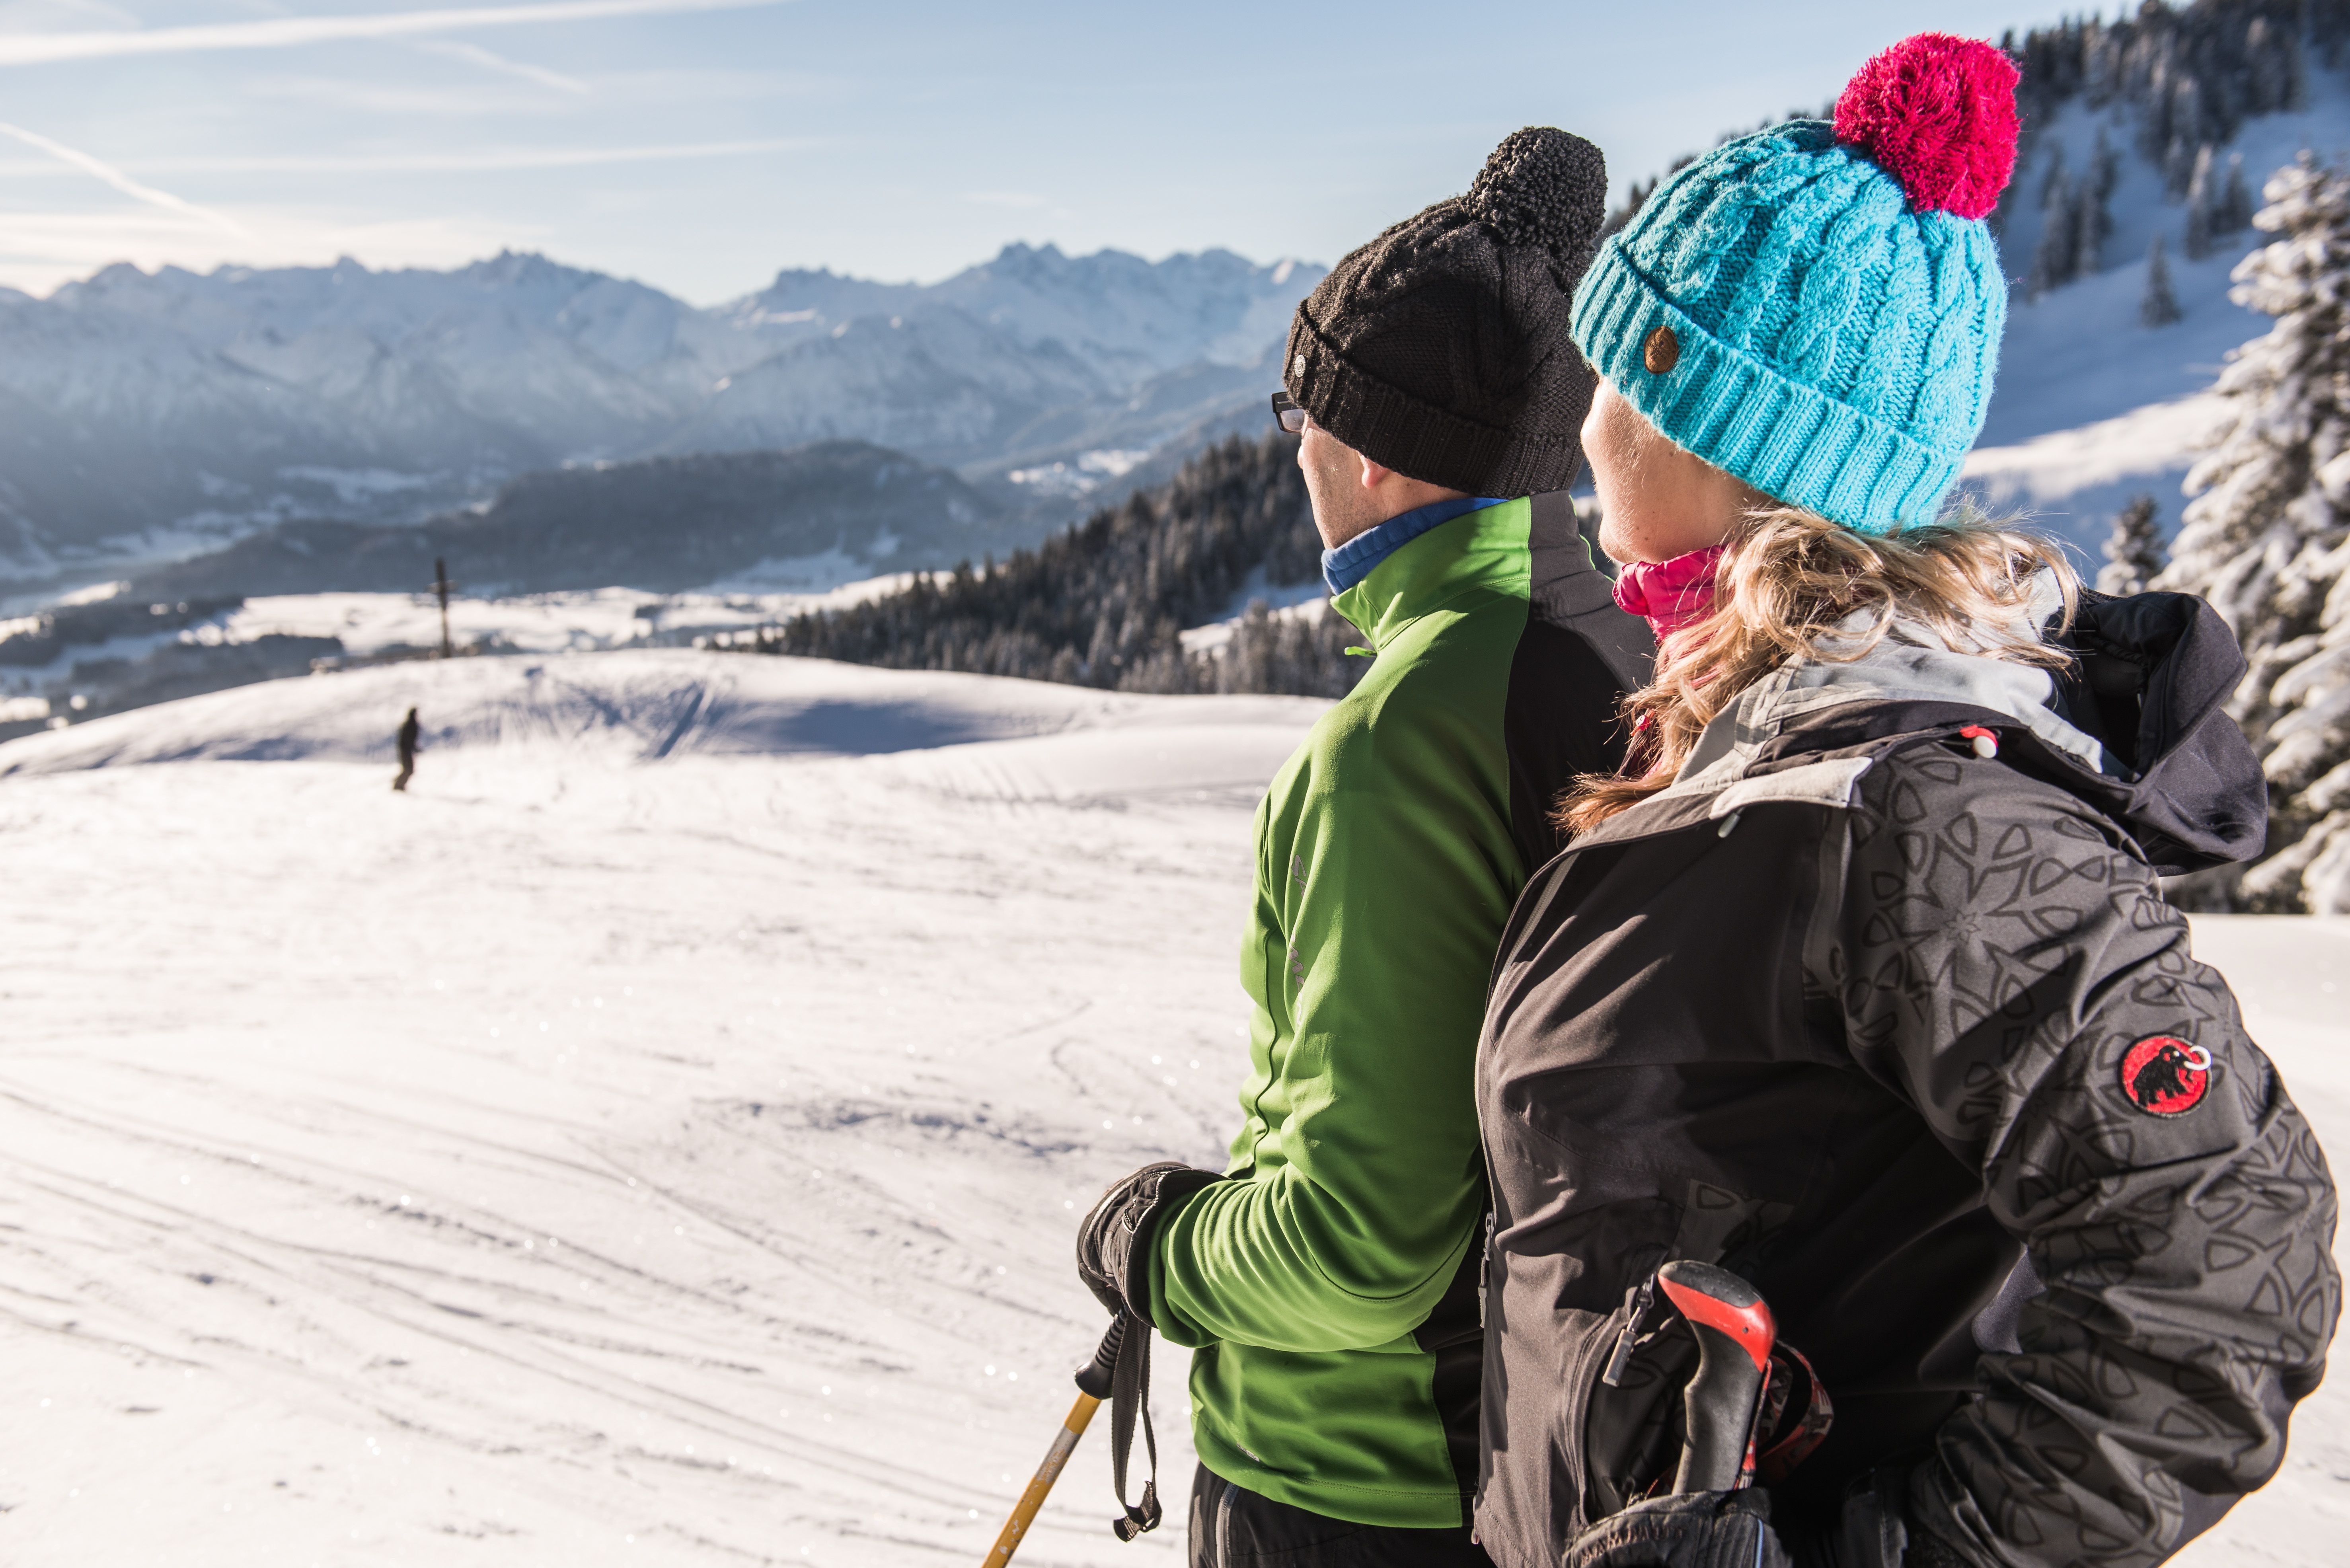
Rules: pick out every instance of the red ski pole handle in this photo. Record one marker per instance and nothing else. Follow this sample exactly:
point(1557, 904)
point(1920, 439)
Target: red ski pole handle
point(1734, 1336)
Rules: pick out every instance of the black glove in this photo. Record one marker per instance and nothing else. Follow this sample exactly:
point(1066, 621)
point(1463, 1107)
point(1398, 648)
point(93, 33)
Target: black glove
point(1114, 1242)
point(1685, 1529)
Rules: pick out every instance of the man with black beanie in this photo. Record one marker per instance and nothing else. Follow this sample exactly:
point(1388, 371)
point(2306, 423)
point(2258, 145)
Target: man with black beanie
point(1327, 1282)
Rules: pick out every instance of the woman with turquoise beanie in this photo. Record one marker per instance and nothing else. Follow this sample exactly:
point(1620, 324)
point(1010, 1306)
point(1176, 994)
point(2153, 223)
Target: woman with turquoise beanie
point(1859, 982)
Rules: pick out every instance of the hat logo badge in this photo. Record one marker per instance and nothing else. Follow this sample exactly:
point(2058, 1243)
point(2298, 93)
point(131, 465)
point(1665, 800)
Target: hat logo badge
point(1661, 350)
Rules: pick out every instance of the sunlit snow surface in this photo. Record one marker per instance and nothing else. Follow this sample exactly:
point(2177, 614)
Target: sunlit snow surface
point(658, 1137)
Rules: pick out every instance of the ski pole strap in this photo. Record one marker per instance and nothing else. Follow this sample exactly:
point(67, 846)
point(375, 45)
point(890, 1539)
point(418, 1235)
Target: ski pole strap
point(1130, 1392)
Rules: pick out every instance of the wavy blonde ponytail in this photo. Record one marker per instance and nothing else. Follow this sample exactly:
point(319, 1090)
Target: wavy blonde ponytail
point(1790, 583)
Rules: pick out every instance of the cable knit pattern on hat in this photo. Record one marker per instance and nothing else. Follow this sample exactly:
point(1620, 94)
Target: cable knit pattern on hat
point(1836, 321)
point(1442, 350)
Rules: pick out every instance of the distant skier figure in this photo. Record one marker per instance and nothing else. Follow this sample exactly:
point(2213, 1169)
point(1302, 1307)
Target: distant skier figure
point(407, 752)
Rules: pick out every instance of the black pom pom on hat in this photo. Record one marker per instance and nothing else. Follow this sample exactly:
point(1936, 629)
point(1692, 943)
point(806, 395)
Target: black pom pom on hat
point(1542, 187)
point(1442, 348)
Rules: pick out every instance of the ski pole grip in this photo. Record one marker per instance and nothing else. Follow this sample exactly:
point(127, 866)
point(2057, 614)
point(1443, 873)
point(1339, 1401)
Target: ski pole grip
point(1734, 1336)
point(1094, 1378)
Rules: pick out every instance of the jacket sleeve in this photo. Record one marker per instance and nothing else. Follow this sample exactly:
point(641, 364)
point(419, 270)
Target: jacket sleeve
point(2004, 958)
point(1369, 952)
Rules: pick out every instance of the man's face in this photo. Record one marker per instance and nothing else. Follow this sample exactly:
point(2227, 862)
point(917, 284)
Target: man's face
point(1343, 505)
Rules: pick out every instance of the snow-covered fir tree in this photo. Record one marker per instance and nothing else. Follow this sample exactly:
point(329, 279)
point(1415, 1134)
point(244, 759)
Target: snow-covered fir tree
point(2235, 212)
point(2203, 200)
point(2078, 218)
point(2215, 209)
point(2134, 553)
point(2160, 305)
point(2053, 258)
point(2267, 537)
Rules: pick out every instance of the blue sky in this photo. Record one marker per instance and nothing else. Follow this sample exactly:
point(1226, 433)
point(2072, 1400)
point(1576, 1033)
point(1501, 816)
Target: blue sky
point(700, 145)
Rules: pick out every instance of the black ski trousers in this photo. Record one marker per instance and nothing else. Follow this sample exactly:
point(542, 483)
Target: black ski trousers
point(1232, 1527)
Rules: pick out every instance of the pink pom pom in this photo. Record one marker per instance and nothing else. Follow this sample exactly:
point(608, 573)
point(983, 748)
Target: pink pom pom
point(1939, 113)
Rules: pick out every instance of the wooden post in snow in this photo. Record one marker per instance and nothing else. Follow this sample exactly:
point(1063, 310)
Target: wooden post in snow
point(441, 585)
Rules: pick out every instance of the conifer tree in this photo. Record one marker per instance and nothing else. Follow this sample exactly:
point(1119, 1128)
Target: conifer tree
point(2235, 211)
point(2094, 216)
point(2133, 555)
point(2267, 537)
point(2060, 233)
point(2160, 305)
point(2200, 198)
point(2076, 218)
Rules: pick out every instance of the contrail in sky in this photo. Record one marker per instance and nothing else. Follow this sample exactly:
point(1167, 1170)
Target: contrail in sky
point(286, 32)
point(100, 170)
point(475, 55)
point(489, 161)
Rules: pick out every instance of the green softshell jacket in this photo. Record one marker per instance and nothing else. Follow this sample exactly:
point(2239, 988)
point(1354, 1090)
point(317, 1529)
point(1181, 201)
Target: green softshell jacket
point(1328, 1285)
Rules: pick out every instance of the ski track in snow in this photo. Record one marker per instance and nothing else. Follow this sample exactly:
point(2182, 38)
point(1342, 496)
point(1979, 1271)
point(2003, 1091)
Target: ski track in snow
point(659, 1138)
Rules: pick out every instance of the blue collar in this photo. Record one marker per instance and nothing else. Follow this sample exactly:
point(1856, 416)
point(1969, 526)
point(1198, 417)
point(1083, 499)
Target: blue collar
point(1353, 561)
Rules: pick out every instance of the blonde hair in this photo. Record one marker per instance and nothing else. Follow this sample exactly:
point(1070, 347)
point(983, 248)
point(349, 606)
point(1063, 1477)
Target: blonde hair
point(1789, 586)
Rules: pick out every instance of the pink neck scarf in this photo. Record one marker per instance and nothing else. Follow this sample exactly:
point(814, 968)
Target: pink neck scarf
point(1672, 595)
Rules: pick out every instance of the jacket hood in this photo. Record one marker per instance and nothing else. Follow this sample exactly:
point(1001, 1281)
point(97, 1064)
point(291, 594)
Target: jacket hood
point(2136, 726)
point(2151, 678)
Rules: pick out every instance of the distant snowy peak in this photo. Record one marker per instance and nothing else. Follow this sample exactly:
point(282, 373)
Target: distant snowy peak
point(1114, 309)
point(141, 412)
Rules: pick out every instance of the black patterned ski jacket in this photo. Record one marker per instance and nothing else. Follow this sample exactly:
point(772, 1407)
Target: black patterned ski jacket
point(1908, 1036)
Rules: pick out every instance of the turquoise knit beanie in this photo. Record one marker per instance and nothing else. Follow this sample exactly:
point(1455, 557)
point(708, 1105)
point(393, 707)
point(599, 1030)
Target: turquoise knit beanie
point(1816, 308)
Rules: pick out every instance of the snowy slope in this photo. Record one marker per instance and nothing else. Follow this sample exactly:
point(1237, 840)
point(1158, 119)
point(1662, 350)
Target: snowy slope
point(2291, 973)
point(657, 1139)
point(577, 1151)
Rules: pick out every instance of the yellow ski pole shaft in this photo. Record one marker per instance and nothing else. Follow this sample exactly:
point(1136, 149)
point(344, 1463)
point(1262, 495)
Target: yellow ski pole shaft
point(1093, 1387)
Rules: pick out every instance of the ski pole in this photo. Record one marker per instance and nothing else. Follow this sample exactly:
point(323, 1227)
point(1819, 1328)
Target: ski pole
point(1093, 1387)
point(1734, 1336)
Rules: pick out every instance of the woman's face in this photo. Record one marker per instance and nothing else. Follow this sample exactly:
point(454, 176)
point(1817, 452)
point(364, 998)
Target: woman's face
point(1656, 501)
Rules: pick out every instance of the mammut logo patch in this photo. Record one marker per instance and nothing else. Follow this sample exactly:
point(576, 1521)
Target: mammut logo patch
point(2165, 1077)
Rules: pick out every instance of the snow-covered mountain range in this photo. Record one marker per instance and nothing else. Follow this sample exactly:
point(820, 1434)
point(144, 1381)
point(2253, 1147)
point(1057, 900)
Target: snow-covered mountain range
point(148, 415)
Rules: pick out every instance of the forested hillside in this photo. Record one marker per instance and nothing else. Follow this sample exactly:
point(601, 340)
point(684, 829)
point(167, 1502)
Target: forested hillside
point(1105, 604)
point(833, 511)
point(2187, 79)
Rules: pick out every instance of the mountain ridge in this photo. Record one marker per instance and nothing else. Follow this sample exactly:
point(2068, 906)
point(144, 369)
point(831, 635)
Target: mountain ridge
point(157, 410)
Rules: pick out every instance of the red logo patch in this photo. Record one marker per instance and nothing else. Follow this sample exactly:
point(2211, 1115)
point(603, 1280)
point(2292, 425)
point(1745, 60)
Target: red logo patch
point(2164, 1076)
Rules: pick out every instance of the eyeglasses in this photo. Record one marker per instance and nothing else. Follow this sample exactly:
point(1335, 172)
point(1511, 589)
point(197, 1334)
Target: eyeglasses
point(1292, 417)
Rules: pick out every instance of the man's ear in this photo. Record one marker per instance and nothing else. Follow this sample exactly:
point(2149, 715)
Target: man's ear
point(1373, 474)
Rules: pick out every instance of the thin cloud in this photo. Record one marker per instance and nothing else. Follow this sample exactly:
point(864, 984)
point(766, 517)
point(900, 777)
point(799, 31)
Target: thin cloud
point(288, 32)
point(98, 169)
point(491, 161)
point(475, 55)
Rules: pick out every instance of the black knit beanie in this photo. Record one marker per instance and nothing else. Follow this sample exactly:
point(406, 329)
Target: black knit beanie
point(1440, 348)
